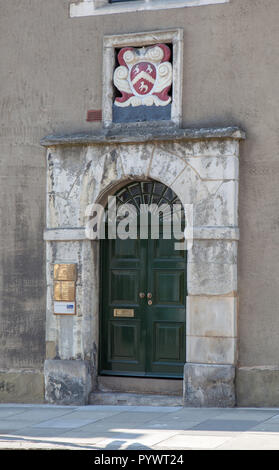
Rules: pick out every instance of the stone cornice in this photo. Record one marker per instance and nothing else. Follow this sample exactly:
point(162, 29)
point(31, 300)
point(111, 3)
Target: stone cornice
point(142, 134)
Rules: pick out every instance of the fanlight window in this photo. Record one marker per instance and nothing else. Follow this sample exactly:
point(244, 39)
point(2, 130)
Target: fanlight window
point(149, 197)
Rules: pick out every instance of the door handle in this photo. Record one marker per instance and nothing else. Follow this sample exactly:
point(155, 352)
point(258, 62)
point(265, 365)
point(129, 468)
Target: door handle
point(141, 295)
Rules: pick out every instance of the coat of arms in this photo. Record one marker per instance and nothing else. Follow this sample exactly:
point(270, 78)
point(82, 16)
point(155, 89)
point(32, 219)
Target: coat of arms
point(144, 76)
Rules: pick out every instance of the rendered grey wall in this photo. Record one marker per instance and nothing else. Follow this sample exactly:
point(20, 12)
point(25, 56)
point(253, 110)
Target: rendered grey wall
point(50, 75)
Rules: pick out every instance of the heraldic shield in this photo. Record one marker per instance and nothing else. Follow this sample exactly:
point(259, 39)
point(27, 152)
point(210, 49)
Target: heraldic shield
point(144, 76)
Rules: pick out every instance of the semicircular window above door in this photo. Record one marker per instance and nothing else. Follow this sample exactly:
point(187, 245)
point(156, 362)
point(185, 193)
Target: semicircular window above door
point(147, 192)
point(151, 197)
point(143, 301)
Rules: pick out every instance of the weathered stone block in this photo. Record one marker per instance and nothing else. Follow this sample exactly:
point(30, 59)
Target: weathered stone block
point(165, 166)
point(136, 159)
point(190, 188)
point(65, 172)
point(215, 168)
point(67, 382)
point(211, 350)
point(209, 385)
point(219, 207)
point(215, 148)
point(104, 167)
point(211, 278)
point(213, 251)
point(66, 339)
point(211, 316)
point(216, 233)
point(206, 148)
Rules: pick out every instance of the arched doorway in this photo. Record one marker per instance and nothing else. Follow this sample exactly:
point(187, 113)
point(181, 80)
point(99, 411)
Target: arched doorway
point(143, 294)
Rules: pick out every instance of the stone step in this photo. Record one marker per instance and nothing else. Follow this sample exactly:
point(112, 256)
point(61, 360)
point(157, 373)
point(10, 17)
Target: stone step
point(135, 399)
point(140, 385)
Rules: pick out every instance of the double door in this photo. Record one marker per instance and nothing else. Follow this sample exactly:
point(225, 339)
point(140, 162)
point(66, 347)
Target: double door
point(143, 311)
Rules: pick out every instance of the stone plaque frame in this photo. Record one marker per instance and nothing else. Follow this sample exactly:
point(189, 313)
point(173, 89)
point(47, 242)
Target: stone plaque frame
point(173, 36)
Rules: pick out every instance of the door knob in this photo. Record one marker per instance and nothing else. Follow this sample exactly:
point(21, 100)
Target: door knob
point(141, 295)
point(149, 295)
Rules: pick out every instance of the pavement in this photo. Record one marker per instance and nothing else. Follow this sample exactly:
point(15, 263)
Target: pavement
point(137, 428)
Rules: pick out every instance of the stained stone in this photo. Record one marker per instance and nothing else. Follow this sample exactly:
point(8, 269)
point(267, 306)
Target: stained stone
point(209, 385)
point(67, 382)
point(211, 316)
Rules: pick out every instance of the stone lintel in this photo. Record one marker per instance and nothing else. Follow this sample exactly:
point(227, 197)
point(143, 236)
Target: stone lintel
point(140, 133)
point(209, 385)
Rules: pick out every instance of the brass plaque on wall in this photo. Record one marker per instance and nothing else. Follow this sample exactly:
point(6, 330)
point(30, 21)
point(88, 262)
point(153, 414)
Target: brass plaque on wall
point(65, 272)
point(123, 312)
point(64, 290)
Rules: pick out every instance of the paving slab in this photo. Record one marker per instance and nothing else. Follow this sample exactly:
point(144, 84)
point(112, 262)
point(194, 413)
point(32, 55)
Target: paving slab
point(134, 419)
point(172, 425)
point(38, 415)
point(148, 439)
point(225, 425)
point(130, 420)
point(197, 413)
point(239, 414)
point(94, 415)
point(9, 425)
point(39, 445)
point(253, 441)
point(157, 409)
point(182, 441)
point(9, 412)
point(33, 431)
point(275, 418)
point(267, 426)
point(113, 408)
point(64, 423)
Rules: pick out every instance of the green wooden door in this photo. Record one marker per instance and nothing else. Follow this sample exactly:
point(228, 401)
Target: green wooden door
point(146, 277)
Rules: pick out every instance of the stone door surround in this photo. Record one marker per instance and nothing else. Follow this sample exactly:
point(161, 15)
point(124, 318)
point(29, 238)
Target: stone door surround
point(201, 167)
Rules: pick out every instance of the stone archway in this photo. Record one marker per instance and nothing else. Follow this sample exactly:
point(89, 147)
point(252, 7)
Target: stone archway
point(202, 169)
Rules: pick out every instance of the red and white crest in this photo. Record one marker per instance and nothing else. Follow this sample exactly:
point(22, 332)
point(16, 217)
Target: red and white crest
point(144, 76)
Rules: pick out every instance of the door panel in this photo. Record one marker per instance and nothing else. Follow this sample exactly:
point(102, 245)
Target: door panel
point(167, 342)
point(123, 341)
point(166, 249)
point(124, 286)
point(166, 317)
point(126, 249)
point(168, 287)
